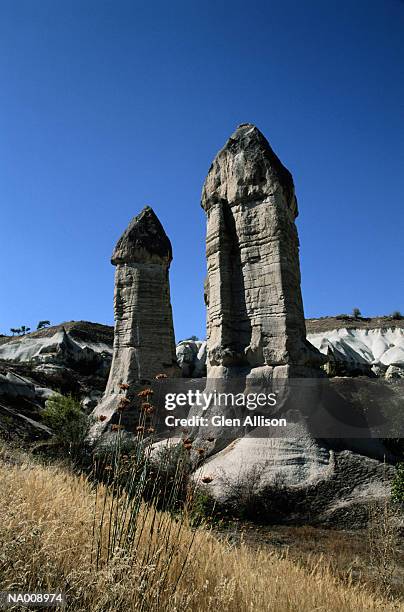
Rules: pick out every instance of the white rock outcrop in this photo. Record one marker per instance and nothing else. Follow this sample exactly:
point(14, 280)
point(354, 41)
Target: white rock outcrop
point(351, 350)
point(357, 349)
point(58, 348)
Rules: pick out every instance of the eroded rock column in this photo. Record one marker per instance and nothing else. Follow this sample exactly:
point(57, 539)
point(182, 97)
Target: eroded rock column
point(257, 340)
point(255, 311)
point(144, 343)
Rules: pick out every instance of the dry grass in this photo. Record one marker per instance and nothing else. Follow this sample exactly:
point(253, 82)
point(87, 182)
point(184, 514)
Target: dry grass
point(52, 532)
point(363, 557)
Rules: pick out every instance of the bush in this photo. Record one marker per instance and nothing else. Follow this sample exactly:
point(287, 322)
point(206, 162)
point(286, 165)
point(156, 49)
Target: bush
point(70, 425)
point(397, 489)
point(248, 498)
point(170, 483)
point(160, 476)
point(396, 315)
point(203, 510)
point(356, 313)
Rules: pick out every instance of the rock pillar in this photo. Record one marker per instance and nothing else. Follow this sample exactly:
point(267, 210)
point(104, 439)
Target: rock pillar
point(255, 310)
point(144, 343)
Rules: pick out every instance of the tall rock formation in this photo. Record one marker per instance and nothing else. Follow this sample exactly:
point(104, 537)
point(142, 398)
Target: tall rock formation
point(256, 339)
point(256, 331)
point(144, 344)
point(255, 309)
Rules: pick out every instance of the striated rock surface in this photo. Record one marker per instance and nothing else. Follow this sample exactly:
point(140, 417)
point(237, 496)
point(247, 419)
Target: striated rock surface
point(255, 310)
point(144, 344)
point(329, 487)
point(255, 321)
point(256, 333)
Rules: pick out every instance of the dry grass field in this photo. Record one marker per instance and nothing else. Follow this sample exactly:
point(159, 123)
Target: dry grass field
point(57, 532)
point(361, 557)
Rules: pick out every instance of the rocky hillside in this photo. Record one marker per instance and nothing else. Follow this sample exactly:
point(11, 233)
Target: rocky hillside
point(75, 357)
point(314, 326)
point(83, 332)
point(370, 347)
point(71, 358)
point(360, 346)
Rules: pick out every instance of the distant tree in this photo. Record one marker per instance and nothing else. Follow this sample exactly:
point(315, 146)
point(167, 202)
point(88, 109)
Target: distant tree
point(396, 315)
point(13, 330)
point(43, 324)
point(16, 330)
point(356, 313)
point(24, 330)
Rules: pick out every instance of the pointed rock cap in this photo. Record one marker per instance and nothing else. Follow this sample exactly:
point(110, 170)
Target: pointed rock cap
point(247, 169)
point(143, 241)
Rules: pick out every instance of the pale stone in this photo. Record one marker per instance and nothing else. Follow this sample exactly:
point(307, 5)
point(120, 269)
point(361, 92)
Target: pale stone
point(144, 343)
point(256, 333)
point(394, 372)
point(255, 310)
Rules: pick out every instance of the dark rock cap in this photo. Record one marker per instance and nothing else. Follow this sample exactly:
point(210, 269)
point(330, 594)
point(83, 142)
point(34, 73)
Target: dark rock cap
point(248, 161)
point(143, 241)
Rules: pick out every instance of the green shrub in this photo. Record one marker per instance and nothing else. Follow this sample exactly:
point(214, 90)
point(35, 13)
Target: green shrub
point(397, 489)
point(170, 472)
point(160, 476)
point(203, 509)
point(70, 425)
point(396, 315)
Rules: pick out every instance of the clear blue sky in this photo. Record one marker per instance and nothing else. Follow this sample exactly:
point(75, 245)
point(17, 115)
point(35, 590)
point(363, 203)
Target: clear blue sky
point(106, 106)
